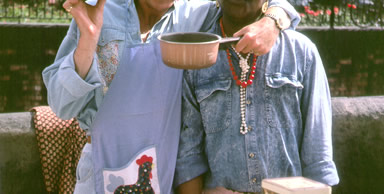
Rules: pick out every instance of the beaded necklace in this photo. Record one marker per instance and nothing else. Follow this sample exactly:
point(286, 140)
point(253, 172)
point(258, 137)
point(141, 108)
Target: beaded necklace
point(242, 83)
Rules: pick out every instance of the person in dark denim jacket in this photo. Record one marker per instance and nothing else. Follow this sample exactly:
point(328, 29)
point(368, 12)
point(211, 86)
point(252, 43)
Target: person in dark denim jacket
point(268, 117)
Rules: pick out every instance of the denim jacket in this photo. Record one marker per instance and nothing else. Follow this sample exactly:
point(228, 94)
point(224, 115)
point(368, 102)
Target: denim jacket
point(288, 112)
point(71, 96)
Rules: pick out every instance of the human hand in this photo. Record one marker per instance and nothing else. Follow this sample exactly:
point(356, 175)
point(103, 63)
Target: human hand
point(258, 37)
point(89, 18)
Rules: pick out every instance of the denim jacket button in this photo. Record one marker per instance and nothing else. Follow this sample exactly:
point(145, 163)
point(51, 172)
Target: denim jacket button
point(248, 102)
point(249, 128)
point(254, 180)
point(251, 155)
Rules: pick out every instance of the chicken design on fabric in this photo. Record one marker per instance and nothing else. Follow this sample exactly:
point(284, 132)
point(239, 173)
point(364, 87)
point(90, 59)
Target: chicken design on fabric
point(143, 184)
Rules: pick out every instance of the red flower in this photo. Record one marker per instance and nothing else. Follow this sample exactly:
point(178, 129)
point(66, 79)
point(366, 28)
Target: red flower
point(336, 10)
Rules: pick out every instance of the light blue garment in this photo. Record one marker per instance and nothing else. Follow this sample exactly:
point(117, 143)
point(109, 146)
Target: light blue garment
point(288, 112)
point(85, 181)
point(91, 2)
point(141, 110)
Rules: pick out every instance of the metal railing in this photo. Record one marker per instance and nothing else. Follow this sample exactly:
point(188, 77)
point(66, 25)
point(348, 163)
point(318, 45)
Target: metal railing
point(361, 13)
point(30, 11)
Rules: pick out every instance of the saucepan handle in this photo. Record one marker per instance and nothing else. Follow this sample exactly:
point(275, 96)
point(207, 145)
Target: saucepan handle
point(226, 42)
point(229, 40)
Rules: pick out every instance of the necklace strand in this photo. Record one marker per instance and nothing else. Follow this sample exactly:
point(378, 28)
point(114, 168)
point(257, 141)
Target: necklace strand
point(242, 83)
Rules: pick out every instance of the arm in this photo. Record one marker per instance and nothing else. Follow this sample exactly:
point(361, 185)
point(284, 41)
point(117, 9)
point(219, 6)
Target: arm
point(191, 187)
point(316, 148)
point(191, 160)
point(260, 36)
point(89, 20)
point(73, 76)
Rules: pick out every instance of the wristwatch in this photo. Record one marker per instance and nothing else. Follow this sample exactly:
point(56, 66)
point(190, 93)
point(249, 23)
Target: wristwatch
point(278, 20)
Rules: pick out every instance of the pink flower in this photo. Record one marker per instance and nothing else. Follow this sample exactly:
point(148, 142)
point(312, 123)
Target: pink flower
point(336, 10)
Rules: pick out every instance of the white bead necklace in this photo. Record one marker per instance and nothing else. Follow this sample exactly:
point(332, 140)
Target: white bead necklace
point(243, 63)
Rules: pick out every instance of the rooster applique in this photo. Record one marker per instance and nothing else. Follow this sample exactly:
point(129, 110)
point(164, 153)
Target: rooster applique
point(143, 184)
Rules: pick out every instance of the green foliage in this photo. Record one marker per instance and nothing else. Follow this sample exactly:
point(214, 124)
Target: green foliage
point(37, 11)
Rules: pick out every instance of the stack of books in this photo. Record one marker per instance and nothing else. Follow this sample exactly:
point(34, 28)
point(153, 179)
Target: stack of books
point(294, 185)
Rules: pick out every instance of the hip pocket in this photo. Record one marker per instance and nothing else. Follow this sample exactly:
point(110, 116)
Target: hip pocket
point(84, 167)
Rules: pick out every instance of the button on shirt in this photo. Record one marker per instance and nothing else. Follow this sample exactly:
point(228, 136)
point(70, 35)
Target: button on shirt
point(288, 112)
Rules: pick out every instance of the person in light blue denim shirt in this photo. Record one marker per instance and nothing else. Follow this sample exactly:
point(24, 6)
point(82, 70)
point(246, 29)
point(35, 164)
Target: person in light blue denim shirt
point(90, 54)
point(270, 118)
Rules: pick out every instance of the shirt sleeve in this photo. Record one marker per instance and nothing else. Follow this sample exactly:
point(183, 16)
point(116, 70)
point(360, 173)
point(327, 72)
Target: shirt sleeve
point(67, 92)
point(289, 9)
point(191, 161)
point(316, 148)
point(195, 16)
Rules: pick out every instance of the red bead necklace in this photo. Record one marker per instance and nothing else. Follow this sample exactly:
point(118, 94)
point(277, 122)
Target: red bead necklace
point(239, 82)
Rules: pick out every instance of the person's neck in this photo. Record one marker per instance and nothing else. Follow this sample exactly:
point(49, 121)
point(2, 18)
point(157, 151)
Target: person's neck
point(231, 26)
point(149, 16)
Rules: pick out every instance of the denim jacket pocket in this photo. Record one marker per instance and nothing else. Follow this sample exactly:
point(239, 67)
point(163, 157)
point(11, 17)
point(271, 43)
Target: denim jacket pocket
point(278, 80)
point(283, 98)
point(216, 117)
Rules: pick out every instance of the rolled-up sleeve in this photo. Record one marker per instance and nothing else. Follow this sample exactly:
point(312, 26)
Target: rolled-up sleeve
point(68, 93)
point(316, 149)
point(289, 9)
point(191, 160)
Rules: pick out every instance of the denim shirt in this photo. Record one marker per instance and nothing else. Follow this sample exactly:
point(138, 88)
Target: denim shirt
point(71, 96)
point(288, 112)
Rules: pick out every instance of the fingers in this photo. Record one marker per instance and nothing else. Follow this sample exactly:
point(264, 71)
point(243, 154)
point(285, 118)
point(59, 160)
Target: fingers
point(69, 5)
point(242, 43)
point(258, 38)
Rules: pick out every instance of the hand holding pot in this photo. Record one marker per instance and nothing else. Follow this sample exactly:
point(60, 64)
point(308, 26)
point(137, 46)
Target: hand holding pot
point(258, 37)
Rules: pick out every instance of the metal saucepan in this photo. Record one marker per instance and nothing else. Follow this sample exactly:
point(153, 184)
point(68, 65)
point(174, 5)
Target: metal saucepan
point(192, 50)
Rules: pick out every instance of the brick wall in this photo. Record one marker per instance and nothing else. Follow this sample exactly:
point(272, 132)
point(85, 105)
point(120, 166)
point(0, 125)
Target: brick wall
point(353, 58)
point(25, 50)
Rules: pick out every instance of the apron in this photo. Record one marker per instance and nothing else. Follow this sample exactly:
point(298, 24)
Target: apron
point(135, 134)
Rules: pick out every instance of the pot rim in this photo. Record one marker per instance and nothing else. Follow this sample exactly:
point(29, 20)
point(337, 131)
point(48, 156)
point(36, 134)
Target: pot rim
point(189, 43)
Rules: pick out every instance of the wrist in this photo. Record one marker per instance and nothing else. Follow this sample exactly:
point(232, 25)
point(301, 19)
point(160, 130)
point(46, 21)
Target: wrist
point(275, 19)
point(279, 16)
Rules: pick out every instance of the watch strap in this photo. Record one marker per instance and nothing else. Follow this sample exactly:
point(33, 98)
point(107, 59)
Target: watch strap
point(274, 17)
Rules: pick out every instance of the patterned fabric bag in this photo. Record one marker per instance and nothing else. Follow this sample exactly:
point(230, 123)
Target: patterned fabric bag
point(60, 143)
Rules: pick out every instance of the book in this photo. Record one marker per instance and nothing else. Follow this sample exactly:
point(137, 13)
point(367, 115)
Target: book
point(294, 185)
